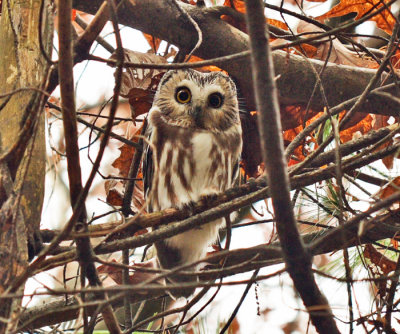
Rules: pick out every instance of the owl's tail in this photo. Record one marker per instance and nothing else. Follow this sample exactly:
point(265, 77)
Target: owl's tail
point(171, 258)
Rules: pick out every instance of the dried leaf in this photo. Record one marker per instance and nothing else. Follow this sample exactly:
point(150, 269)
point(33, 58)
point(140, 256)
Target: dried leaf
point(290, 134)
point(139, 85)
point(378, 259)
point(360, 128)
point(335, 53)
point(384, 20)
point(239, 5)
point(395, 60)
point(293, 116)
point(115, 273)
point(391, 188)
point(154, 42)
point(278, 24)
point(290, 327)
point(234, 327)
point(114, 197)
point(123, 163)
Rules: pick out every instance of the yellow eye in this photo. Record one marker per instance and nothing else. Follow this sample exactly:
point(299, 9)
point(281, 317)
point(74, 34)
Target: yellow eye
point(183, 95)
point(215, 100)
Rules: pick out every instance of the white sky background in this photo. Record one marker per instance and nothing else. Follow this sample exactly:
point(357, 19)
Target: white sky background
point(97, 82)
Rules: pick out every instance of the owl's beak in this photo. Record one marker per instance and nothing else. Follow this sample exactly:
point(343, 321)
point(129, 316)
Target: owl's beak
point(197, 113)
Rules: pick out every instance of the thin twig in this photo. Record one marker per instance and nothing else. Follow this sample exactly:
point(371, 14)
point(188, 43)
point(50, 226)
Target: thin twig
point(236, 310)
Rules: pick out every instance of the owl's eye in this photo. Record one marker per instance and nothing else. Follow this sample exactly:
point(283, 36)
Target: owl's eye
point(183, 95)
point(215, 100)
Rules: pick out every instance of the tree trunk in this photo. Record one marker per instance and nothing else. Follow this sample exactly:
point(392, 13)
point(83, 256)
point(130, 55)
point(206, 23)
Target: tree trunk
point(22, 137)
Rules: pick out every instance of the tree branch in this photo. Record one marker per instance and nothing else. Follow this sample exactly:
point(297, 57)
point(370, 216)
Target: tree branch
point(344, 82)
point(298, 261)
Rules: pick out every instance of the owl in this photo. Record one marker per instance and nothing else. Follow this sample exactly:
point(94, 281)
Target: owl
point(195, 142)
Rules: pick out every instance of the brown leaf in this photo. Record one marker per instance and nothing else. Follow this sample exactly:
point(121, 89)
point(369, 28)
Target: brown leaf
point(290, 327)
point(238, 5)
point(333, 51)
point(113, 195)
point(391, 188)
point(115, 272)
point(378, 259)
point(139, 85)
point(123, 162)
point(112, 271)
point(384, 20)
point(395, 59)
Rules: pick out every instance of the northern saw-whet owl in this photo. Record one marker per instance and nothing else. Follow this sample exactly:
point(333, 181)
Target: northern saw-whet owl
point(195, 145)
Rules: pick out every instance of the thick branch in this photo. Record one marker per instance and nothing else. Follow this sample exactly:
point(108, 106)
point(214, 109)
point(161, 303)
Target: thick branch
point(297, 259)
point(344, 82)
point(253, 258)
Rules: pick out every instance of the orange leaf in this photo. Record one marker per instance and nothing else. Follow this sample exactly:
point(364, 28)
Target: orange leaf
point(395, 60)
point(293, 116)
point(210, 68)
point(239, 5)
point(390, 189)
point(153, 42)
point(380, 122)
point(388, 160)
point(290, 134)
point(361, 127)
point(384, 20)
point(278, 24)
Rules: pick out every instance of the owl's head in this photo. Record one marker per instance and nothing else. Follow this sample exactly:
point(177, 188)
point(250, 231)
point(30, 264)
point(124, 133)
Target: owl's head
point(200, 100)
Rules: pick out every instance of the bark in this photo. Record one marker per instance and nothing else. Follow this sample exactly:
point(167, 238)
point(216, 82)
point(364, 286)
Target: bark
point(254, 257)
point(22, 137)
point(296, 78)
point(298, 260)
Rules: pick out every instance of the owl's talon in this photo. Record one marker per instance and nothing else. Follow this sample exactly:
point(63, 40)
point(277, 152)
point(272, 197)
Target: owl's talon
point(189, 208)
point(209, 200)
